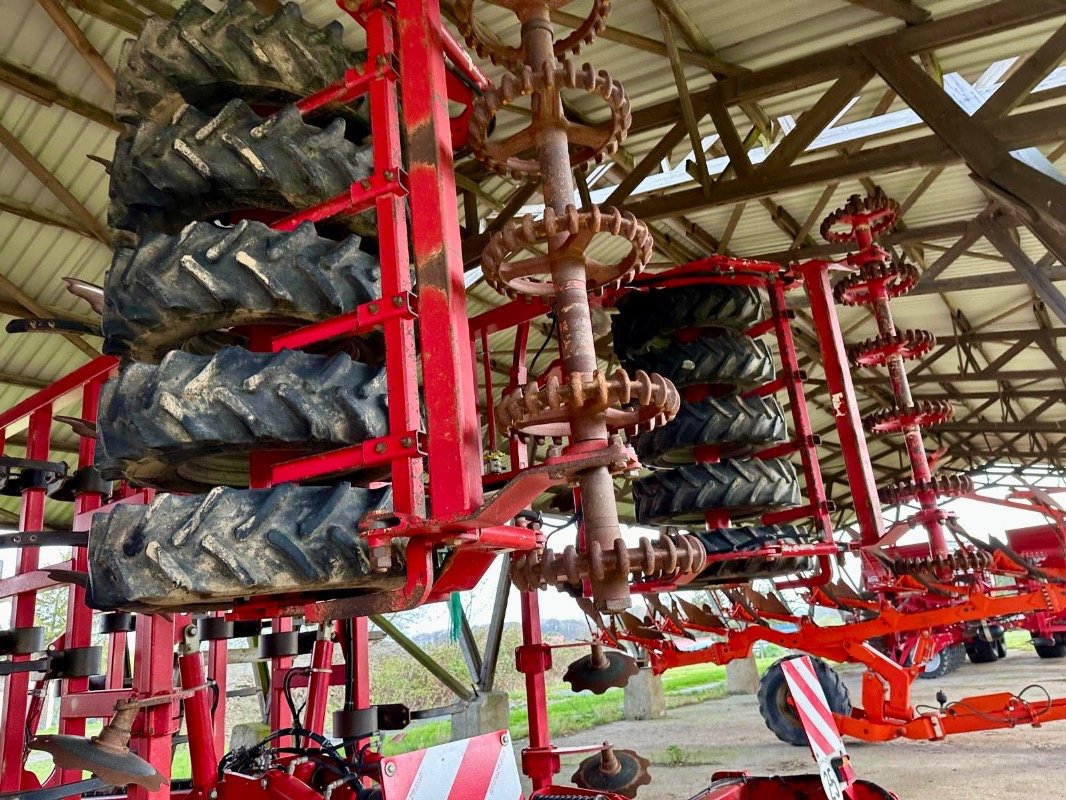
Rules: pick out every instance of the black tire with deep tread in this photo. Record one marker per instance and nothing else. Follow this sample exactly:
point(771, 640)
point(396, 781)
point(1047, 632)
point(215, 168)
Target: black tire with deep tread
point(207, 58)
point(743, 486)
point(734, 424)
point(178, 291)
point(981, 652)
point(732, 359)
point(1057, 648)
point(207, 551)
point(745, 569)
point(194, 166)
point(646, 320)
point(780, 717)
point(186, 424)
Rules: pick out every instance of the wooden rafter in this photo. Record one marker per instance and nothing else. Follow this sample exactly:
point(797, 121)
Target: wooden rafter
point(80, 41)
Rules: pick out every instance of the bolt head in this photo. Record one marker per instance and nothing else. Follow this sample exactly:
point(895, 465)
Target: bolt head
point(390, 768)
point(505, 739)
point(379, 447)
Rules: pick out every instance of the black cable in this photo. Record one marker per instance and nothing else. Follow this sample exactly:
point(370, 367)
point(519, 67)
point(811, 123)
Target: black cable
point(547, 338)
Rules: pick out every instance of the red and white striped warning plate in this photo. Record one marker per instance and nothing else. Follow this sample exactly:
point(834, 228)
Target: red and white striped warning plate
point(813, 708)
point(482, 768)
point(827, 747)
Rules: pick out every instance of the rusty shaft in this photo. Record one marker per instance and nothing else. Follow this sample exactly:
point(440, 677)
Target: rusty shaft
point(573, 314)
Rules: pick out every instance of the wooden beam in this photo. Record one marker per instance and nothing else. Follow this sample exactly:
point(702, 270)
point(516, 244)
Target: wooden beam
point(1019, 184)
point(692, 121)
point(829, 64)
point(900, 9)
point(1025, 78)
point(123, 17)
point(1016, 131)
point(10, 142)
point(973, 233)
point(814, 120)
point(647, 45)
point(44, 91)
point(80, 41)
point(9, 205)
point(1039, 279)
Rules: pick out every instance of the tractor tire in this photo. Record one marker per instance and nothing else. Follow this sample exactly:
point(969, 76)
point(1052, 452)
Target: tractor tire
point(194, 552)
point(943, 662)
point(647, 321)
point(733, 424)
point(1001, 647)
point(744, 487)
point(187, 424)
point(731, 359)
point(745, 569)
point(188, 291)
point(981, 652)
point(1055, 648)
point(779, 715)
point(195, 166)
point(207, 58)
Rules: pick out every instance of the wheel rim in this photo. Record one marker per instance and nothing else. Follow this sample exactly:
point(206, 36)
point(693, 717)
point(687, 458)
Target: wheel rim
point(933, 664)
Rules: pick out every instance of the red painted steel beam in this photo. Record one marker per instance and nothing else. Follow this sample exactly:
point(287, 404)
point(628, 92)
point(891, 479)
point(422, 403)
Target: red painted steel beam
point(451, 396)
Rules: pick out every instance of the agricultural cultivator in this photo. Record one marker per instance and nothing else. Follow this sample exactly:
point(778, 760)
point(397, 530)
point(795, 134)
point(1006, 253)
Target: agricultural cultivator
point(936, 601)
point(285, 431)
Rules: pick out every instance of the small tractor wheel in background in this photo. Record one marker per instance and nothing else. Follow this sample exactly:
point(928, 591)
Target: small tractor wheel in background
point(776, 707)
point(1054, 647)
point(194, 166)
point(646, 321)
point(190, 291)
point(745, 540)
point(744, 487)
point(188, 552)
point(939, 664)
point(207, 58)
point(188, 423)
point(731, 359)
point(733, 424)
point(980, 651)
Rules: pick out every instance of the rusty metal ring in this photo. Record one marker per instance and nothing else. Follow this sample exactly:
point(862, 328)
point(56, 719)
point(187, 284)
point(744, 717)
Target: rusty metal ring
point(632, 405)
point(959, 561)
point(532, 276)
point(678, 556)
point(924, 413)
point(907, 344)
point(594, 142)
point(877, 211)
point(488, 46)
point(940, 485)
point(861, 288)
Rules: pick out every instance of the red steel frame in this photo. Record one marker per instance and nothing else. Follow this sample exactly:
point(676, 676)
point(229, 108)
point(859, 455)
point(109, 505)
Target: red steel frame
point(406, 45)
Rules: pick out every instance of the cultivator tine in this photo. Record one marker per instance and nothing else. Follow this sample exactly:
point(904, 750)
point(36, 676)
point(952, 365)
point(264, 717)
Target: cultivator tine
point(994, 546)
point(589, 609)
point(739, 599)
point(636, 627)
point(767, 603)
point(89, 292)
point(82, 427)
point(700, 615)
point(660, 607)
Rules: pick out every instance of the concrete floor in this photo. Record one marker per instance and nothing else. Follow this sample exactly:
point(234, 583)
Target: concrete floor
point(693, 742)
